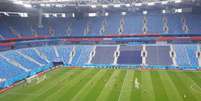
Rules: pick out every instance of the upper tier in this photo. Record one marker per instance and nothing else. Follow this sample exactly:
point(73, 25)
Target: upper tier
point(115, 23)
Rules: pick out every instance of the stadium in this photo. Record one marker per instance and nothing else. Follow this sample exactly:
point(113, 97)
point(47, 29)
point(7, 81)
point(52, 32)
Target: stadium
point(100, 50)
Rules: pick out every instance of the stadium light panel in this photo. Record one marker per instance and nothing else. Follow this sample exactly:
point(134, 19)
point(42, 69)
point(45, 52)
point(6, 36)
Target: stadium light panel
point(178, 1)
point(128, 5)
point(23, 15)
point(151, 3)
point(73, 15)
point(42, 5)
point(46, 15)
point(178, 10)
point(23, 4)
point(47, 5)
point(138, 4)
point(54, 15)
point(6, 14)
point(27, 5)
point(163, 11)
point(164, 2)
point(123, 13)
point(58, 5)
point(117, 5)
point(18, 2)
point(144, 12)
point(105, 6)
point(92, 14)
point(63, 15)
point(93, 6)
point(106, 13)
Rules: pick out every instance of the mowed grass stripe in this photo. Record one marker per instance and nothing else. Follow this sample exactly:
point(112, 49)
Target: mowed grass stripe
point(114, 94)
point(33, 89)
point(108, 86)
point(189, 83)
point(95, 91)
point(74, 86)
point(147, 92)
point(182, 88)
point(195, 76)
point(170, 88)
point(89, 85)
point(58, 84)
point(136, 93)
point(160, 94)
point(127, 86)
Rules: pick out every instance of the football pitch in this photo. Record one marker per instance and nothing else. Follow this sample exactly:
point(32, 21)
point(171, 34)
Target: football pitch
point(110, 85)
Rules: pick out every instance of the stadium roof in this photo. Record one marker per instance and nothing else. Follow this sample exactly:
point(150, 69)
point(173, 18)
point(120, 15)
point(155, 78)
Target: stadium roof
point(93, 5)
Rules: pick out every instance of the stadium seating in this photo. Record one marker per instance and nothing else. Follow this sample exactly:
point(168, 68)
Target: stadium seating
point(10, 73)
point(174, 24)
point(158, 55)
point(49, 52)
point(30, 52)
point(133, 24)
point(186, 56)
point(191, 52)
point(21, 59)
point(104, 55)
point(13, 27)
point(95, 25)
point(64, 52)
point(112, 24)
point(193, 24)
point(181, 56)
point(155, 24)
point(18, 64)
point(84, 55)
point(130, 55)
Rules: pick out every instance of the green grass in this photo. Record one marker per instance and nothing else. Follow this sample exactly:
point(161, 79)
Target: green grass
point(110, 85)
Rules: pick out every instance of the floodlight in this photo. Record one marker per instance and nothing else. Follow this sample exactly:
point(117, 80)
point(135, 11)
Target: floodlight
point(105, 6)
point(92, 14)
point(123, 13)
point(106, 13)
point(144, 12)
point(138, 4)
point(164, 2)
point(178, 1)
point(117, 5)
point(93, 6)
point(150, 3)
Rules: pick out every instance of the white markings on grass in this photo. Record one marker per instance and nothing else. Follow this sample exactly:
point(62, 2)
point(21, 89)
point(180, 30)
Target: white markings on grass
point(137, 84)
point(194, 87)
point(188, 82)
point(68, 85)
point(127, 86)
point(147, 87)
point(170, 88)
point(89, 86)
point(108, 86)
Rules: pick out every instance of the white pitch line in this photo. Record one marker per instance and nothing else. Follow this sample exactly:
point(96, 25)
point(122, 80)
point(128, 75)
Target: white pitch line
point(147, 87)
point(171, 90)
point(87, 87)
point(127, 86)
point(108, 86)
point(189, 84)
point(73, 82)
